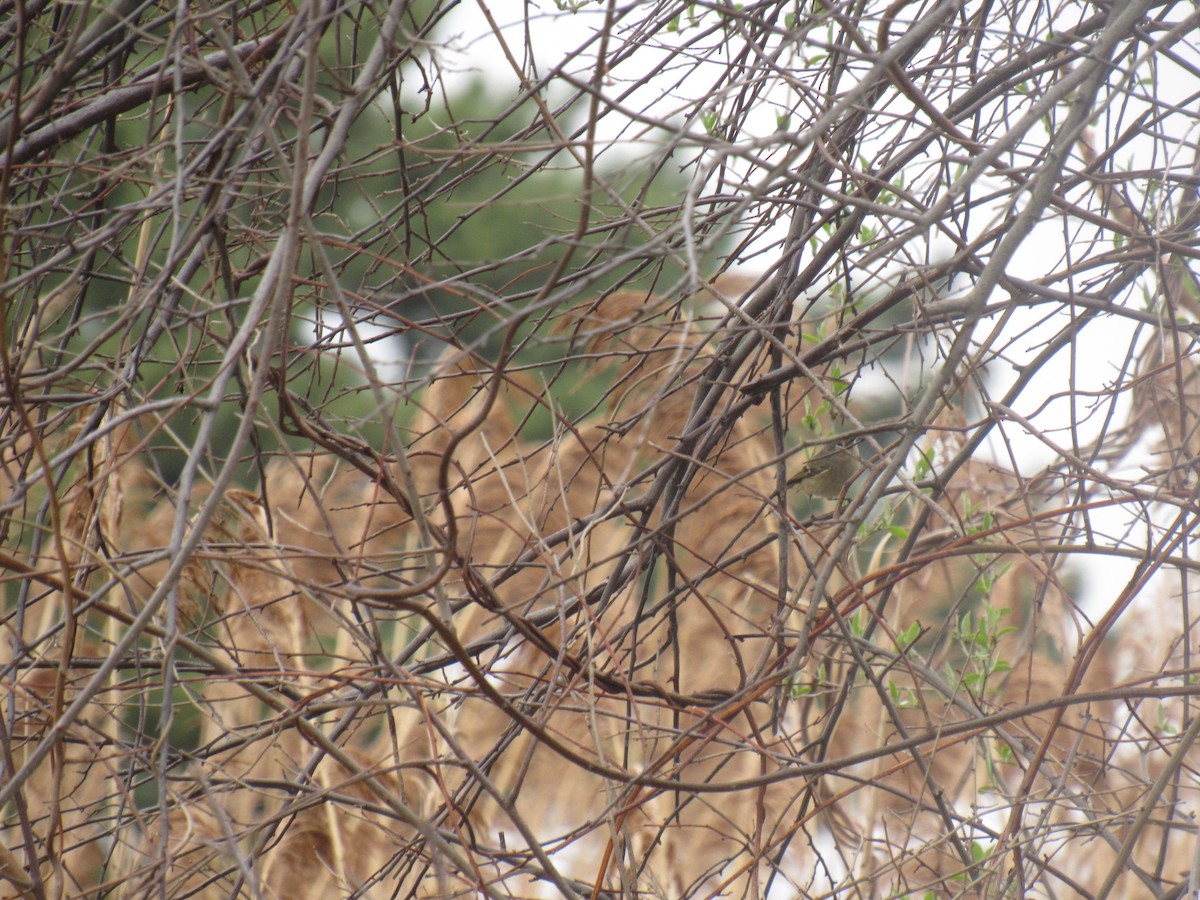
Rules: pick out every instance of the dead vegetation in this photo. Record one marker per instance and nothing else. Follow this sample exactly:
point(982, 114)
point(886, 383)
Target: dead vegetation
point(603, 705)
point(392, 506)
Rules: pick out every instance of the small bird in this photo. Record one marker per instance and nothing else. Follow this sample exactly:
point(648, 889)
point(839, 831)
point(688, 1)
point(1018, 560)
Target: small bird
point(827, 473)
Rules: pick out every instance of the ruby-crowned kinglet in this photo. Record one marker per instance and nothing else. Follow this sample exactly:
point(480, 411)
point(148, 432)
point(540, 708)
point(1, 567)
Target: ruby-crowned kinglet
point(827, 472)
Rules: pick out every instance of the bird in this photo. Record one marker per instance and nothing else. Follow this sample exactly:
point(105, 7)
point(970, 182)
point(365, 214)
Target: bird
point(828, 472)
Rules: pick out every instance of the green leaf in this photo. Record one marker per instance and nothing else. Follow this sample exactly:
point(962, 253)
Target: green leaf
point(858, 624)
point(925, 465)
